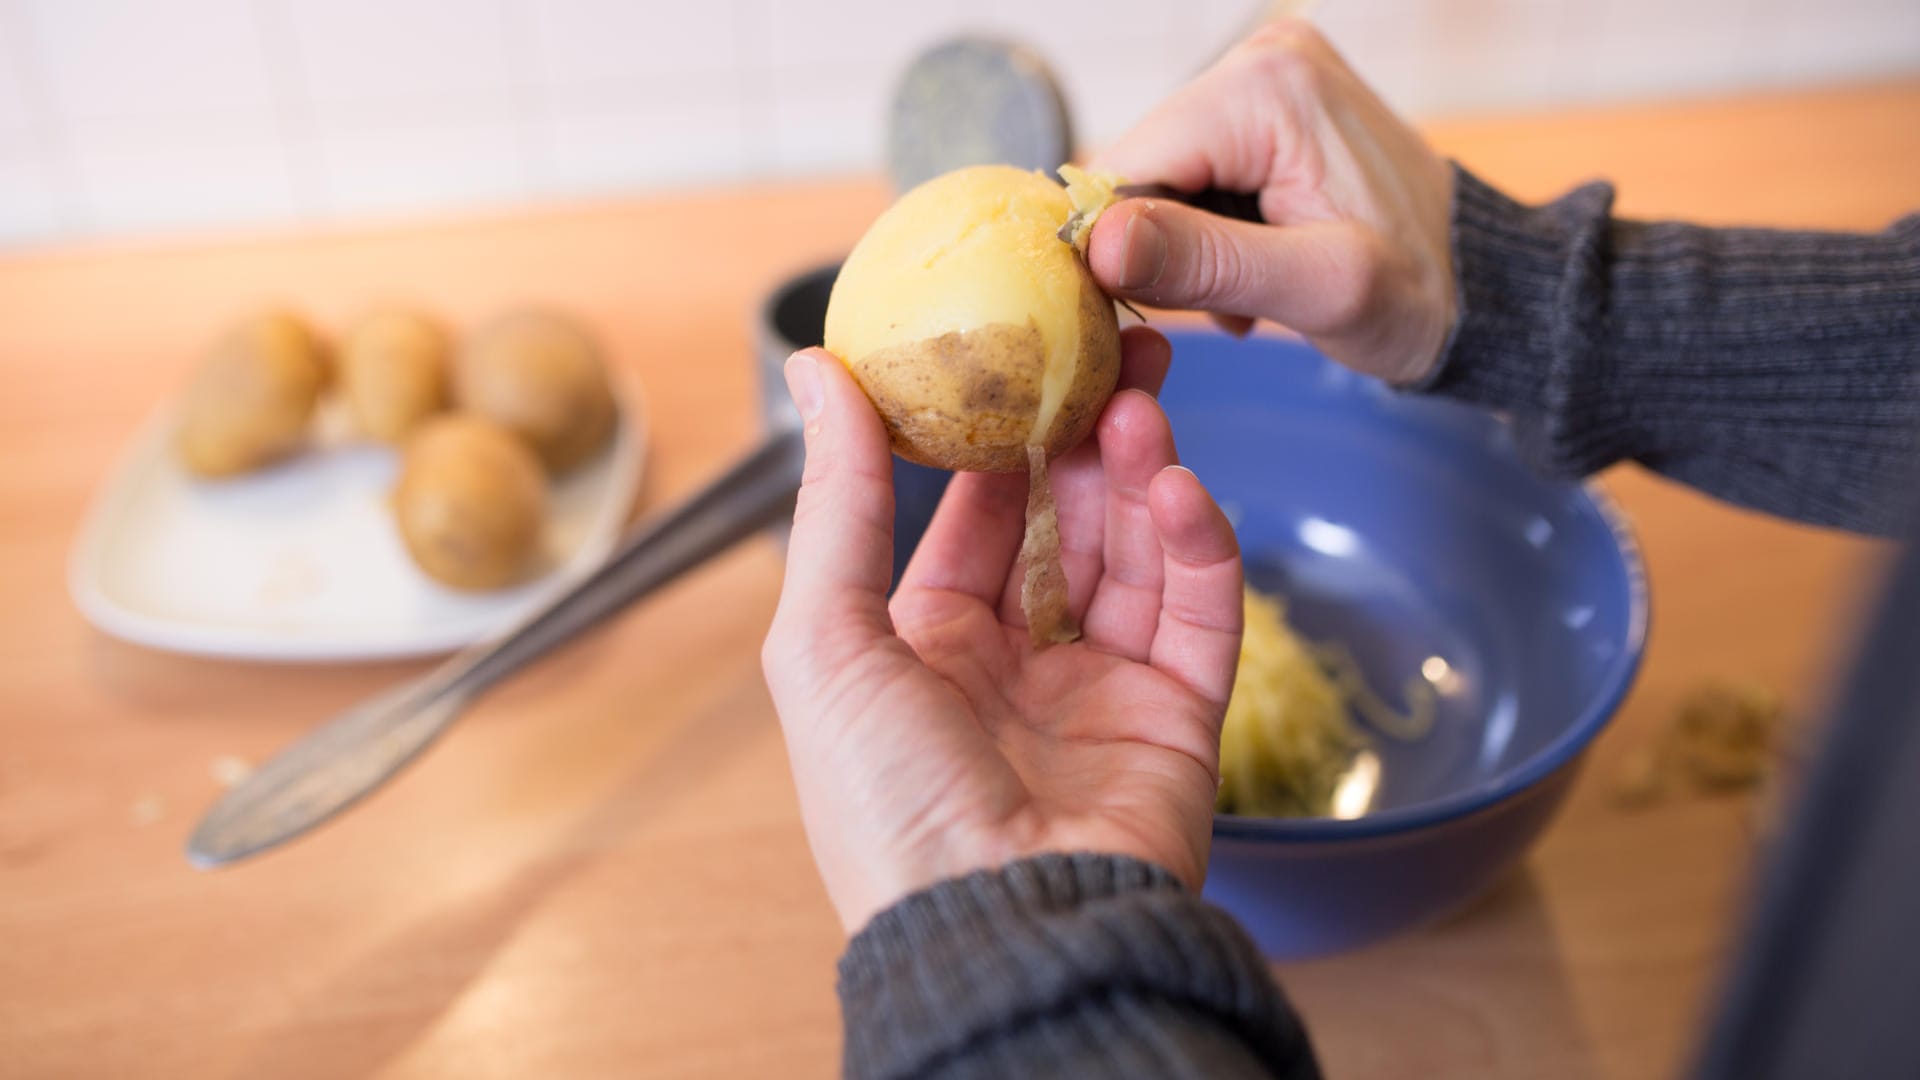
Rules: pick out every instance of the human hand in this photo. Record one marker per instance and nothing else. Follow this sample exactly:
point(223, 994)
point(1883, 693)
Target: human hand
point(928, 738)
point(1355, 256)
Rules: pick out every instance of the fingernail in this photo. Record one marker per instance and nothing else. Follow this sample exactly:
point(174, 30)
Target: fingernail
point(803, 383)
point(1143, 254)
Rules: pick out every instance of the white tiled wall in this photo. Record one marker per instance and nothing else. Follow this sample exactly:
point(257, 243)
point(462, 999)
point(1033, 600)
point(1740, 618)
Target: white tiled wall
point(160, 116)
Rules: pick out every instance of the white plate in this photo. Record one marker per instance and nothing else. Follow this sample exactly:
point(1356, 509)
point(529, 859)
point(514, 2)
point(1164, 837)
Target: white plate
point(302, 561)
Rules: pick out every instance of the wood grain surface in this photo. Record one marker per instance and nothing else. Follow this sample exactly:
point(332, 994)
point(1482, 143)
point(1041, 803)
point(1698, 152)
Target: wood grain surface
point(601, 871)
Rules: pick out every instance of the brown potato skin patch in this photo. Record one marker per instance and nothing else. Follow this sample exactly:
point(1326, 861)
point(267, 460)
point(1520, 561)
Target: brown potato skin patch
point(963, 400)
point(966, 400)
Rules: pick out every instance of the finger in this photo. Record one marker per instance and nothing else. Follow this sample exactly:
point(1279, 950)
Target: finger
point(970, 544)
point(1145, 356)
point(840, 553)
point(1135, 445)
point(1315, 278)
point(1197, 640)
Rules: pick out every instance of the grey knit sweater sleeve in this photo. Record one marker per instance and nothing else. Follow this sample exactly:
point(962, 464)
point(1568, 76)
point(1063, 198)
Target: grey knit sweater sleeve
point(1776, 370)
point(1064, 965)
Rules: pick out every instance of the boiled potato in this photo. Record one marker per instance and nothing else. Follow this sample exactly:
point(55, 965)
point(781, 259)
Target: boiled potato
point(540, 376)
point(393, 373)
point(471, 502)
point(973, 328)
point(252, 400)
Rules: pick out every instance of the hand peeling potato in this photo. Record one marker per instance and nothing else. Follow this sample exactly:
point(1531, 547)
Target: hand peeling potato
point(984, 342)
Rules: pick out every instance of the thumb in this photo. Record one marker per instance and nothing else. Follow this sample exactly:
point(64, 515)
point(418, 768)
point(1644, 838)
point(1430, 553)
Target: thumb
point(1315, 278)
point(840, 553)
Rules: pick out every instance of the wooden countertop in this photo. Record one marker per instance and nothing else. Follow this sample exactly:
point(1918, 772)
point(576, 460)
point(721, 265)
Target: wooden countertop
point(601, 871)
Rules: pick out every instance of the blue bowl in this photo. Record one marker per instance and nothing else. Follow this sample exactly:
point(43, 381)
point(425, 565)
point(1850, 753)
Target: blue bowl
point(1407, 528)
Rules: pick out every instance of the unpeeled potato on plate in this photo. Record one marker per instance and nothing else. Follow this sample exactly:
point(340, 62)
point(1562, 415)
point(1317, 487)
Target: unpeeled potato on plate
point(541, 376)
point(471, 502)
point(252, 399)
point(394, 372)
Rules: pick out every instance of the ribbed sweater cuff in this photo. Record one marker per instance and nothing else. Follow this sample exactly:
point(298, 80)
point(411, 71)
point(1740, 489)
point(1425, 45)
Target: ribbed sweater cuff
point(973, 958)
point(1522, 339)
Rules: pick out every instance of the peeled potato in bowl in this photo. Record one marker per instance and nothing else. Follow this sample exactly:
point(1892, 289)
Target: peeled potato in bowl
point(975, 330)
point(540, 376)
point(252, 400)
point(471, 502)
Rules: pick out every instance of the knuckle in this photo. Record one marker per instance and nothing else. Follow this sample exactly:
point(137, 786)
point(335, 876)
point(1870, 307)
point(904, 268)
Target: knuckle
point(1220, 269)
point(783, 652)
point(773, 650)
point(1289, 51)
point(810, 506)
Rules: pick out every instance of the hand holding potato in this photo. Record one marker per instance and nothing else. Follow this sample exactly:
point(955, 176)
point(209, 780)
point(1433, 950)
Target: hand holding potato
point(927, 737)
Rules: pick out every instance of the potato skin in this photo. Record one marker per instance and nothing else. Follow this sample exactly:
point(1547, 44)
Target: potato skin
point(471, 502)
point(252, 399)
point(961, 401)
point(394, 373)
point(966, 401)
point(541, 376)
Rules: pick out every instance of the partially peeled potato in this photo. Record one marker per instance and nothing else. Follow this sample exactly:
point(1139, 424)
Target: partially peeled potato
point(975, 330)
point(984, 341)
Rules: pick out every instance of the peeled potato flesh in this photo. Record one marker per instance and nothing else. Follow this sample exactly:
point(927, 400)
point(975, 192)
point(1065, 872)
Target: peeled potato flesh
point(972, 327)
point(394, 373)
point(471, 502)
point(252, 399)
point(541, 376)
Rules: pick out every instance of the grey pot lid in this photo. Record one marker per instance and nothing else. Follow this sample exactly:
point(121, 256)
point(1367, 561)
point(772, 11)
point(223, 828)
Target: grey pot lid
point(976, 101)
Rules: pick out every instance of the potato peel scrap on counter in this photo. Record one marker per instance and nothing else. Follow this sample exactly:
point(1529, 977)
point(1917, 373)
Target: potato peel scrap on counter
point(1043, 591)
point(1723, 738)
